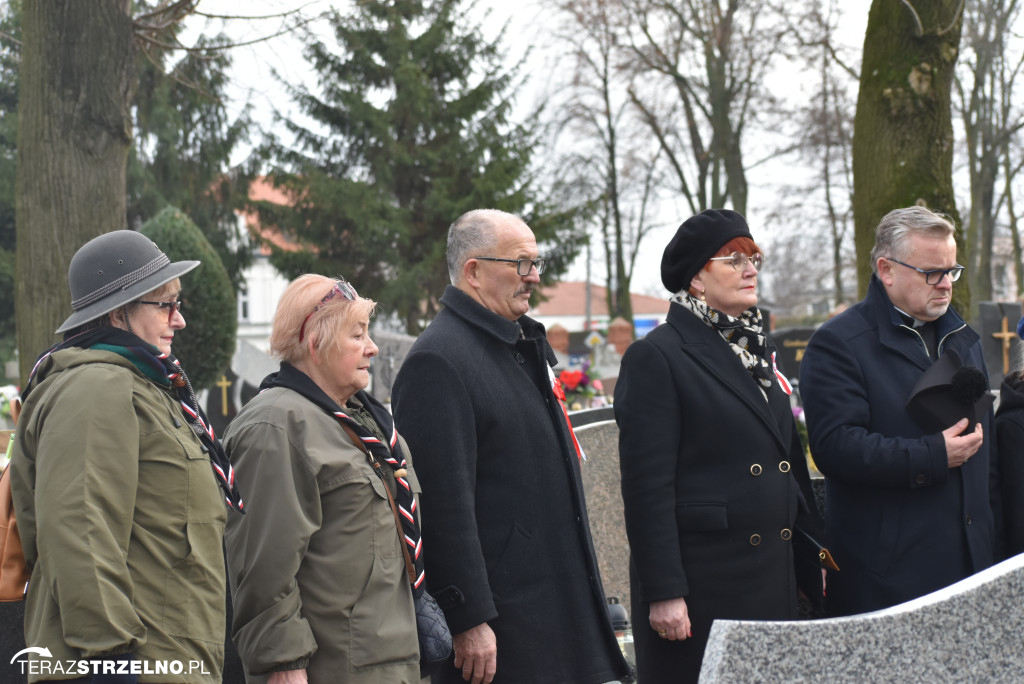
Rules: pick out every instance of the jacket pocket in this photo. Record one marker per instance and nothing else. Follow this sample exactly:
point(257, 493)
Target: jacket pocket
point(382, 629)
point(506, 576)
point(702, 517)
point(386, 542)
point(194, 599)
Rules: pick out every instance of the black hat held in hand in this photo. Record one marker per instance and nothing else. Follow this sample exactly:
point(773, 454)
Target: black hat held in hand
point(948, 392)
point(696, 241)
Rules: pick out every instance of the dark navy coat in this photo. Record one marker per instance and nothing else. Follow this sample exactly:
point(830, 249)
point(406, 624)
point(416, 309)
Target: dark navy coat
point(505, 527)
point(901, 523)
point(711, 501)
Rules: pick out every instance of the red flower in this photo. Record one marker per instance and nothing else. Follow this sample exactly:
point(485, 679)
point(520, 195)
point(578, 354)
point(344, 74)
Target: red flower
point(571, 379)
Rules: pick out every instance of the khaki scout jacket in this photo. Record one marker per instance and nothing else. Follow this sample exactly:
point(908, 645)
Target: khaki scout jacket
point(122, 518)
point(317, 575)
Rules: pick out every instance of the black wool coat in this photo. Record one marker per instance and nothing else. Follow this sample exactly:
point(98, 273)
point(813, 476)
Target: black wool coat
point(1010, 447)
point(901, 523)
point(711, 482)
point(505, 530)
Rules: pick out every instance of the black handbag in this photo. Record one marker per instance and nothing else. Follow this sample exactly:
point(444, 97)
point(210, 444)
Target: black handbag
point(431, 628)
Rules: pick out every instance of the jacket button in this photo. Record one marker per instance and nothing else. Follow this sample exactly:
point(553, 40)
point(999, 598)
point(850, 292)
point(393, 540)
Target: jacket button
point(755, 539)
point(786, 534)
point(784, 466)
point(519, 358)
point(969, 521)
point(920, 479)
point(755, 470)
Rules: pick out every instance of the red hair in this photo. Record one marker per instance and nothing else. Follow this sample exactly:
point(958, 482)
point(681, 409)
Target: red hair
point(737, 244)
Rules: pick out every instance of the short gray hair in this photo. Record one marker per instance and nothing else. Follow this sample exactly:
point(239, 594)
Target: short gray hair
point(472, 234)
point(896, 227)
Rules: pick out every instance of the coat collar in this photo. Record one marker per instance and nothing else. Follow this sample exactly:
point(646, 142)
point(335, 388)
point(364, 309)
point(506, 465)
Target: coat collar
point(897, 335)
point(707, 348)
point(493, 325)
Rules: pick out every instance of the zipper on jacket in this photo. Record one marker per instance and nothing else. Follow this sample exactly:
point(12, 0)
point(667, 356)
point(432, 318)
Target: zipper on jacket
point(918, 335)
point(946, 336)
point(941, 342)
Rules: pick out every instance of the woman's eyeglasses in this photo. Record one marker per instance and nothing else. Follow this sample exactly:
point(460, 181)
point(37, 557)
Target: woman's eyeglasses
point(341, 287)
point(738, 260)
point(171, 307)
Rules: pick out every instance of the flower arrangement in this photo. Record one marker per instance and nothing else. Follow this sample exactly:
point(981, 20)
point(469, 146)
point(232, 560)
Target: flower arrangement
point(579, 387)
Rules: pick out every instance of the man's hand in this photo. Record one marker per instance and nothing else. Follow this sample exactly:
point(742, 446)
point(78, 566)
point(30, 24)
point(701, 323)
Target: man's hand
point(960, 449)
point(476, 652)
point(670, 619)
point(288, 677)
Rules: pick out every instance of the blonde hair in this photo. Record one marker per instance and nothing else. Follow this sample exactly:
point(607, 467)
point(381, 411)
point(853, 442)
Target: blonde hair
point(323, 329)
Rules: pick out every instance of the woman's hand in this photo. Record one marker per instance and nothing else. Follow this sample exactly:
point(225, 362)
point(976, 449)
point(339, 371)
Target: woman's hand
point(288, 677)
point(670, 619)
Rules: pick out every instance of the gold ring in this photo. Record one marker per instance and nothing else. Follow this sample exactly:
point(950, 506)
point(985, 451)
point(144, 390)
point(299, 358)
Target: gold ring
point(661, 632)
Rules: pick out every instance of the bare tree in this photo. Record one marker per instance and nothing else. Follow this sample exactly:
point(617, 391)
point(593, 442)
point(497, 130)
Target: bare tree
point(823, 141)
point(610, 155)
point(985, 86)
point(77, 78)
point(703, 64)
point(903, 131)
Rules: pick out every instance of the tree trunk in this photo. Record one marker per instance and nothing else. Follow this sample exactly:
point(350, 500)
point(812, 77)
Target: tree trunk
point(77, 77)
point(903, 133)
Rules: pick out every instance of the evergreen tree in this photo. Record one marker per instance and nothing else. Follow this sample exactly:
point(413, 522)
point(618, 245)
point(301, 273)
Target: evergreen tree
point(182, 147)
point(412, 129)
point(206, 344)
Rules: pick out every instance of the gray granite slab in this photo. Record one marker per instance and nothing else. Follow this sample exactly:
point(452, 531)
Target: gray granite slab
point(972, 631)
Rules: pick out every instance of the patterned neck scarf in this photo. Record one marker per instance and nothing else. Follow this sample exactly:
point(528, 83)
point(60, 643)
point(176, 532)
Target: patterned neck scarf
point(389, 452)
point(164, 370)
point(744, 335)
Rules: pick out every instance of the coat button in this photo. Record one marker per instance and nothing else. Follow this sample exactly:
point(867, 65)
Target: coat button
point(784, 466)
point(969, 521)
point(755, 470)
point(755, 539)
point(519, 358)
point(786, 534)
point(920, 479)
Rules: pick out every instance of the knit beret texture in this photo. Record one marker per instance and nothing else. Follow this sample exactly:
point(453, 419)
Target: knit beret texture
point(695, 242)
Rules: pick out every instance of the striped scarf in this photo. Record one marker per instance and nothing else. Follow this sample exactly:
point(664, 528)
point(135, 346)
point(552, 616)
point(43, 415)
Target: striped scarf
point(389, 452)
point(165, 371)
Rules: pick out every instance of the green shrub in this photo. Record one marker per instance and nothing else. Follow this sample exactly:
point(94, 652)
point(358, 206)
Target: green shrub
point(207, 343)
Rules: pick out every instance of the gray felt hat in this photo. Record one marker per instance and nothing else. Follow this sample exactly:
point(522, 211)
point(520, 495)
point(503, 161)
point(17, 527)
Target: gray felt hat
point(114, 269)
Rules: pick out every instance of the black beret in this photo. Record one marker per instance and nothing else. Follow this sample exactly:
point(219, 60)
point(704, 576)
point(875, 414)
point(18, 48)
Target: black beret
point(695, 242)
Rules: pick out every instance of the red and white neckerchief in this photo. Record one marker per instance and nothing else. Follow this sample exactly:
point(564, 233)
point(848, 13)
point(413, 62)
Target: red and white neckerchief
point(783, 382)
point(556, 388)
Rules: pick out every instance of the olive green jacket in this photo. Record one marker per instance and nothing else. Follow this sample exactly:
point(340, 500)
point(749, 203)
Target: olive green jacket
point(121, 519)
point(317, 575)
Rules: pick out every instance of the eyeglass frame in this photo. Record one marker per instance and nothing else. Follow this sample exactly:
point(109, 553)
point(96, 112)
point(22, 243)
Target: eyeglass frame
point(341, 287)
point(540, 263)
point(746, 259)
point(958, 269)
point(172, 307)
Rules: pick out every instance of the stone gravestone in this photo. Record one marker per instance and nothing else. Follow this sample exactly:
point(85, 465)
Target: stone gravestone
point(968, 632)
point(791, 344)
point(393, 349)
point(999, 340)
point(598, 436)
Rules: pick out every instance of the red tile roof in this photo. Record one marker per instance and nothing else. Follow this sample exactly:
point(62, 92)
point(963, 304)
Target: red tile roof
point(569, 299)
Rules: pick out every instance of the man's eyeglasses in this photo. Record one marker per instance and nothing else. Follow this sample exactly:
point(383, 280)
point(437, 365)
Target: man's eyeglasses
point(934, 276)
point(738, 260)
point(341, 287)
point(523, 266)
point(171, 307)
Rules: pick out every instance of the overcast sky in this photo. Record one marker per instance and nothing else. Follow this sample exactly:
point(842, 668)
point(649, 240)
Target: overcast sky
point(253, 82)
